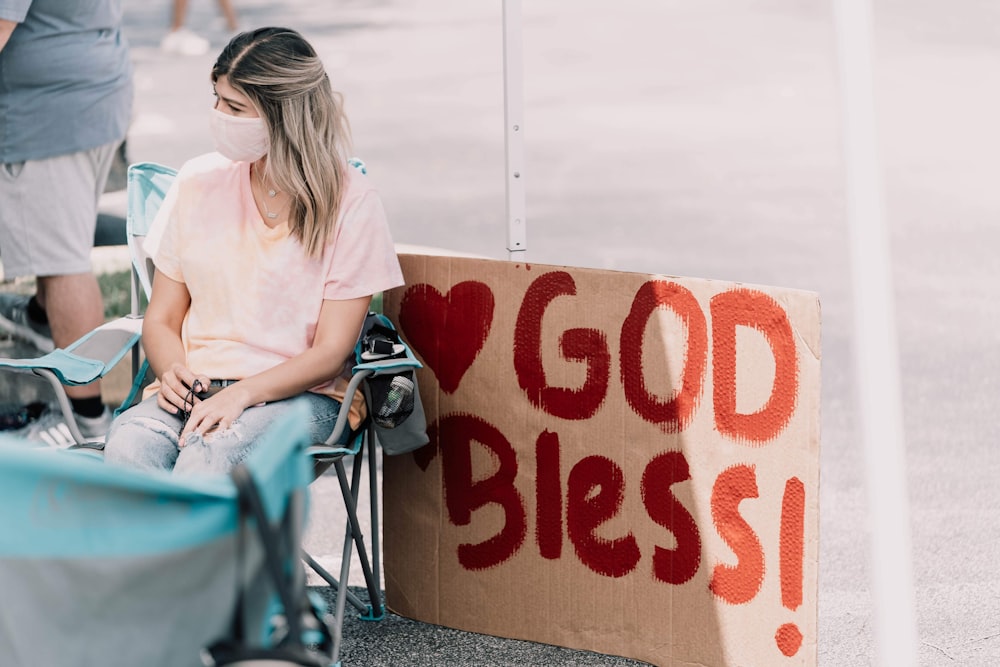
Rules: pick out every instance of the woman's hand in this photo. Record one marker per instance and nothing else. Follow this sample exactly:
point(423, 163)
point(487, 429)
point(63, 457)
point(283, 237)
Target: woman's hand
point(178, 386)
point(218, 411)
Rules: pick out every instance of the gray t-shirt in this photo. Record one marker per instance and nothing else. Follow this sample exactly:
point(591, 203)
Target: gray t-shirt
point(65, 78)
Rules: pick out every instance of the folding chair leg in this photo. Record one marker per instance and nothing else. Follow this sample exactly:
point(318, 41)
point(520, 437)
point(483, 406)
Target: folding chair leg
point(332, 582)
point(373, 490)
point(64, 405)
point(353, 531)
point(345, 573)
point(353, 536)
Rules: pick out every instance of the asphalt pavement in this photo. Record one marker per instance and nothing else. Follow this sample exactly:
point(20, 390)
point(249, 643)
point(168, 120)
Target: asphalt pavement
point(703, 140)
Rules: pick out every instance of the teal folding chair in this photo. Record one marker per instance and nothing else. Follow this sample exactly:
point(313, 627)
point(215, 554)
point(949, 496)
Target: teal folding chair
point(105, 565)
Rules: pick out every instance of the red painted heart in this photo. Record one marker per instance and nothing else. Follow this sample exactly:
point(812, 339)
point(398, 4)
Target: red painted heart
point(448, 331)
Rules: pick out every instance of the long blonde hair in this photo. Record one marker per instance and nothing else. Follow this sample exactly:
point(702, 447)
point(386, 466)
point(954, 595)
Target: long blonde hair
point(279, 71)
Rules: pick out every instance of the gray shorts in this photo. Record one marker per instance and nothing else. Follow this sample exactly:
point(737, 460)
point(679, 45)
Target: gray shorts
point(48, 211)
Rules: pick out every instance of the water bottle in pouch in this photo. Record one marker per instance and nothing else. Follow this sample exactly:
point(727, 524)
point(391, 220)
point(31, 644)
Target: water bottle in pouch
point(398, 402)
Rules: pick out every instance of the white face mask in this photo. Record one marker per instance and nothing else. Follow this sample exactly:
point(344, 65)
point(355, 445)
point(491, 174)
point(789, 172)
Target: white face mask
point(239, 139)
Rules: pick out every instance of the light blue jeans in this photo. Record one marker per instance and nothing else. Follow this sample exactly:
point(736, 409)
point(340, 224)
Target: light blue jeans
point(145, 436)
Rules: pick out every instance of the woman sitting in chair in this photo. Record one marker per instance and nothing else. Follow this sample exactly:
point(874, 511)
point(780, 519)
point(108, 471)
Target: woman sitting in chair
point(267, 255)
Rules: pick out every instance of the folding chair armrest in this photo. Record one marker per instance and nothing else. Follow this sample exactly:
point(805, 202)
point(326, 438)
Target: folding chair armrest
point(324, 454)
point(331, 449)
point(90, 357)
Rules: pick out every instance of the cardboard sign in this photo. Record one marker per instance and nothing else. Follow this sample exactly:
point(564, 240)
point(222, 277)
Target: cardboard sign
point(619, 462)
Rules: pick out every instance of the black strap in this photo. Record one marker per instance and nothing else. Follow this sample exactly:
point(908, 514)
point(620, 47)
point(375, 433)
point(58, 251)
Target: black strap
point(377, 333)
point(239, 621)
point(381, 330)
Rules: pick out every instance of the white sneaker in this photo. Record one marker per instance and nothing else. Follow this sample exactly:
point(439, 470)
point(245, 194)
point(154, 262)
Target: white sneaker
point(183, 42)
point(51, 428)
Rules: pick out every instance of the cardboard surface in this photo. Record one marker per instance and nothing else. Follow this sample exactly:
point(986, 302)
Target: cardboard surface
point(619, 462)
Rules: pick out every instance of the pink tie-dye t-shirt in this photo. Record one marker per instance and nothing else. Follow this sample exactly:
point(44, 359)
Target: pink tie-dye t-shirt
point(255, 293)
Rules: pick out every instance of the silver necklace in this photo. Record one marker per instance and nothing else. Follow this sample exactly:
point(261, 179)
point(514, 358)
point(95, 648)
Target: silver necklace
point(271, 194)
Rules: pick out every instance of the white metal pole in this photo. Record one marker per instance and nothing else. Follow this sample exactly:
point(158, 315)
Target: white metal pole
point(876, 353)
point(513, 115)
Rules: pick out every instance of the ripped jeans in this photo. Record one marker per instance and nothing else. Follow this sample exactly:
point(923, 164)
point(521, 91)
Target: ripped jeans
point(145, 436)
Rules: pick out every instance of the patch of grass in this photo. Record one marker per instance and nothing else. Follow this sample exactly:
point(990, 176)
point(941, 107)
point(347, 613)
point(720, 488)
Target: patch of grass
point(116, 288)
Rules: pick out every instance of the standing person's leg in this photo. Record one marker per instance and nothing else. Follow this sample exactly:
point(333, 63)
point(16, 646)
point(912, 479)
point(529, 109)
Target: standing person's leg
point(74, 307)
point(48, 231)
point(230, 14)
point(179, 39)
point(73, 301)
point(178, 14)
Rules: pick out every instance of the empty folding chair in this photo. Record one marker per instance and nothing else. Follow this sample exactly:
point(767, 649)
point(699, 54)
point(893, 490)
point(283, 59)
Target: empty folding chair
point(105, 566)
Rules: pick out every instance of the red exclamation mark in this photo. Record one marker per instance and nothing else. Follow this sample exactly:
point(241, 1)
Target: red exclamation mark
point(792, 537)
